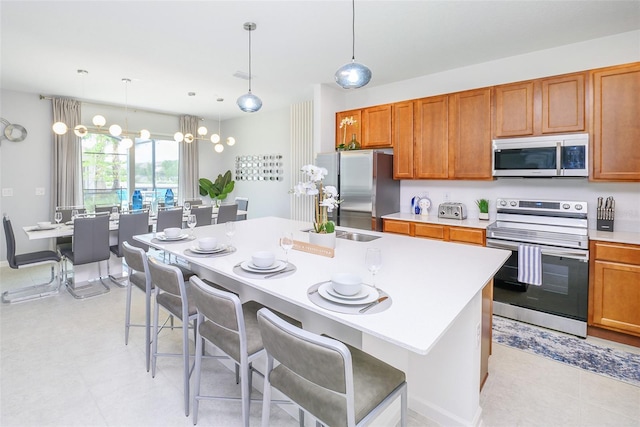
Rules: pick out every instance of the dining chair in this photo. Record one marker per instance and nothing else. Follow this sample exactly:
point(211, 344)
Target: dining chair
point(30, 259)
point(243, 205)
point(227, 213)
point(203, 215)
point(194, 202)
point(65, 242)
point(130, 225)
point(139, 276)
point(229, 325)
point(336, 383)
point(90, 244)
point(171, 295)
point(171, 217)
point(106, 208)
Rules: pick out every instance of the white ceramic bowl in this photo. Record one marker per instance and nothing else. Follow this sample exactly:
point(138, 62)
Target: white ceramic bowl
point(172, 232)
point(44, 224)
point(207, 243)
point(263, 259)
point(346, 283)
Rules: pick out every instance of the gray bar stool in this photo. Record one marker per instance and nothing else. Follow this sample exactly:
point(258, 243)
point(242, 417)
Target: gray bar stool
point(129, 225)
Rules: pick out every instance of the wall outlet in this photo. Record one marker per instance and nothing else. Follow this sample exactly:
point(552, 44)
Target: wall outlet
point(446, 196)
point(39, 191)
point(7, 192)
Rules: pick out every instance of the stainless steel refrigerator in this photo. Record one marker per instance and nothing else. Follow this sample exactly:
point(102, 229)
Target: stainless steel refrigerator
point(364, 179)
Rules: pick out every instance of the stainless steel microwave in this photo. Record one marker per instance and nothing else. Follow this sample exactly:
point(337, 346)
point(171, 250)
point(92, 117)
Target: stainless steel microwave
point(542, 156)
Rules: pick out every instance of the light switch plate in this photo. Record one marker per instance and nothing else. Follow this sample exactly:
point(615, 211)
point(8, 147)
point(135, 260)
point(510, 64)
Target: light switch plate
point(39, 191)
point(7, 192)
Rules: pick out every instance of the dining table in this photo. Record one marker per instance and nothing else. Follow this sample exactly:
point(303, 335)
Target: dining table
point(427, 324)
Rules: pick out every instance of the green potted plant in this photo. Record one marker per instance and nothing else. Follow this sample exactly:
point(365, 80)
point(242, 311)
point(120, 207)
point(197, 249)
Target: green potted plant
point(483, 207)
point(218, 189)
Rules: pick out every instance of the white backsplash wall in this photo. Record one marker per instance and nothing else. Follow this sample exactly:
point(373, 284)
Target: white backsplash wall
point(626, 195)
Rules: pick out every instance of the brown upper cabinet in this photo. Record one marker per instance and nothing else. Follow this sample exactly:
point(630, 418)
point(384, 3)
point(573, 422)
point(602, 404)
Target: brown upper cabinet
point(372, 127)
point(616, 123)
point(403, 134)
point(541, 106)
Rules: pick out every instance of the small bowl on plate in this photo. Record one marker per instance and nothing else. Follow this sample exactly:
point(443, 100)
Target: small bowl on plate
point(207, 243)
point(263, 259)
point(172, 232)
point(347, 284)
point(44, 224)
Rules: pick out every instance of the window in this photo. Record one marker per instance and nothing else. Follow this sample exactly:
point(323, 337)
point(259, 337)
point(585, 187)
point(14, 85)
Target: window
point(104, 170)
point(109, 170)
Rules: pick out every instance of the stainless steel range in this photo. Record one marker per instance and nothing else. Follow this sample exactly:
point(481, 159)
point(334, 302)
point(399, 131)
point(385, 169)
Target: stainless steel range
point(546, 280)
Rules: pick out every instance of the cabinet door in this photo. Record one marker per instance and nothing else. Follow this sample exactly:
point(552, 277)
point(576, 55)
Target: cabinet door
point(470, 135)
point(376, 127)
point(474, 236)
point(344, 134)
point(514, 109)
point(563, 104)
point(430, 231)
point(403, 140)
point(394, 226)
point(616, 123)
point(616, 296)
point(431, 138)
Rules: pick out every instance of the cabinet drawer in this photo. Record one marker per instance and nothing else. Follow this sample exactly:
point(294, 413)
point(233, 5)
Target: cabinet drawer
point(430, 231)
point(617, 253)
point(466, 235)
point(393, 226)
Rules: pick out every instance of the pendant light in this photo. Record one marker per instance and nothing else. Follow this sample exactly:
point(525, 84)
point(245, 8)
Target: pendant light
point(249, 103)
point(353, 75)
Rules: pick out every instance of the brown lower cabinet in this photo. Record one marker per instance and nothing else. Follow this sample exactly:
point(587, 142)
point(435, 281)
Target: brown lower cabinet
point(614, 288)
point(451, 233)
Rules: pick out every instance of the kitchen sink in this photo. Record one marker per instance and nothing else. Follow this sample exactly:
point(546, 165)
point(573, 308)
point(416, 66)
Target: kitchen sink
point(356, 237)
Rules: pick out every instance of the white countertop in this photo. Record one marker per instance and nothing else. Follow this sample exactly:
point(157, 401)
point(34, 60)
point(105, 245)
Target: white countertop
point(629, 237)
point(433, 219)
point(423, 277)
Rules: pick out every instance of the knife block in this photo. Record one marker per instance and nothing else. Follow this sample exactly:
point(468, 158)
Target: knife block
point(604, 224)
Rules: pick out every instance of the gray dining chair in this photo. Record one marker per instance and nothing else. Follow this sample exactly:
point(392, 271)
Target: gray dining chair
point(227, 213)
point(167, 218)
point(140, 277)
point(30, 259)
point(90, 245)
point(65, 242)
point(243, 205)
point(232, 327)
point(171, 295)
point(194, 202)
point(106, 208)
point(130, 225)
point(338, 384)
point(204, 215)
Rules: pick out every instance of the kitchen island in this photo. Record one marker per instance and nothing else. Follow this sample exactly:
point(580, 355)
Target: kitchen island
point(431, 329)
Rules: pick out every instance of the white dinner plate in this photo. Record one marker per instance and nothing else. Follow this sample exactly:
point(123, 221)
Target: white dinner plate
point(363, 293)
point(45, 227)
point(371, 297)
point(278, 266)
point(68, 223)
point(215, 250)
point(161, 236)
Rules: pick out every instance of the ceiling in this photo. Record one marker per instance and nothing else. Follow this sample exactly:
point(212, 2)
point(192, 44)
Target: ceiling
point(171, 48)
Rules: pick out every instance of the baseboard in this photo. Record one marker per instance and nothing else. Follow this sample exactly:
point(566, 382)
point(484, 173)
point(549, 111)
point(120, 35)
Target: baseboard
point(618, 337)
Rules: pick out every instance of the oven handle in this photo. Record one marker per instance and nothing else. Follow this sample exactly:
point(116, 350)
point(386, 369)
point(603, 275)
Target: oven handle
point(580, 255)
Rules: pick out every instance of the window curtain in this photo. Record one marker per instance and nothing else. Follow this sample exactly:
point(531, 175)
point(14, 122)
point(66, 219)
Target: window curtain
point(188, 163)
point(67, 156)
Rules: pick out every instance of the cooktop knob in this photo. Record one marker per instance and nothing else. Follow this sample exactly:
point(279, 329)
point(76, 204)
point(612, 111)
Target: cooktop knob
point(513, 203)
point(503, 203)
point(578, 207)
point(566, 206)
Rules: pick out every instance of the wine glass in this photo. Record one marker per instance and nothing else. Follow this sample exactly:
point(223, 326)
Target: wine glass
point(373, 261)
point(191, 222)
point(58, 218)
point(230, 230)
point(74, 214)
point(286, 243)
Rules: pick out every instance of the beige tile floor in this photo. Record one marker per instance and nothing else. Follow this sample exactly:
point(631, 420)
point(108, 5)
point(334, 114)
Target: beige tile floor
point(63, 362)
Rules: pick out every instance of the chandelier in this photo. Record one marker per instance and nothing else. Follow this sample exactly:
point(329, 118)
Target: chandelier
point(201, 134)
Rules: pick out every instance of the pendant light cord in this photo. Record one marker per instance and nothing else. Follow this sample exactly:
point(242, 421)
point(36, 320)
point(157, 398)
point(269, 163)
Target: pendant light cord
point(250, 59)
point(353, 30)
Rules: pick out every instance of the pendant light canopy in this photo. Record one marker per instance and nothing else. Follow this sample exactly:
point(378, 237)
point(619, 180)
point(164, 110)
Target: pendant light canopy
point(353, 75)
point(249, 103)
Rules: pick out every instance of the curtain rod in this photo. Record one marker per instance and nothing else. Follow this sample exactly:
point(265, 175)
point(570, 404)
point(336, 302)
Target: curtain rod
point(135, 109)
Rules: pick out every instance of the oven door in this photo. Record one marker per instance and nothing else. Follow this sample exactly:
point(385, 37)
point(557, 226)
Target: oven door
point(565, 281)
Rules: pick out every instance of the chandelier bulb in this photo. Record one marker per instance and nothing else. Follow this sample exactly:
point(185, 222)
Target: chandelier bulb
point(215, 138)
point(99, 120)
point(202, 131)
point(59, 128)
point(145, 134)
point(115, 130)
point(126, 143)
point(178, 137)
point(188, 138)
point(230, 141)
point(219, 148)
point(80, 130)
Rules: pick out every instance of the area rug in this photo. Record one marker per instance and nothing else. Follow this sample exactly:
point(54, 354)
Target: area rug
point(574, 351)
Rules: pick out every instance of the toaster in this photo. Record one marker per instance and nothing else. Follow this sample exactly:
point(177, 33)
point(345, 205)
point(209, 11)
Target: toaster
point(453, 210)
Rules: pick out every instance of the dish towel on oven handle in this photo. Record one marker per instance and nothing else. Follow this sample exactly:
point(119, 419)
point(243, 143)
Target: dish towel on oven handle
point(530, 265)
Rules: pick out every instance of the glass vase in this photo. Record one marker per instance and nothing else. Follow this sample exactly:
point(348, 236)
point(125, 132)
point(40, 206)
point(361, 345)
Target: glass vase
point(353, 144)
